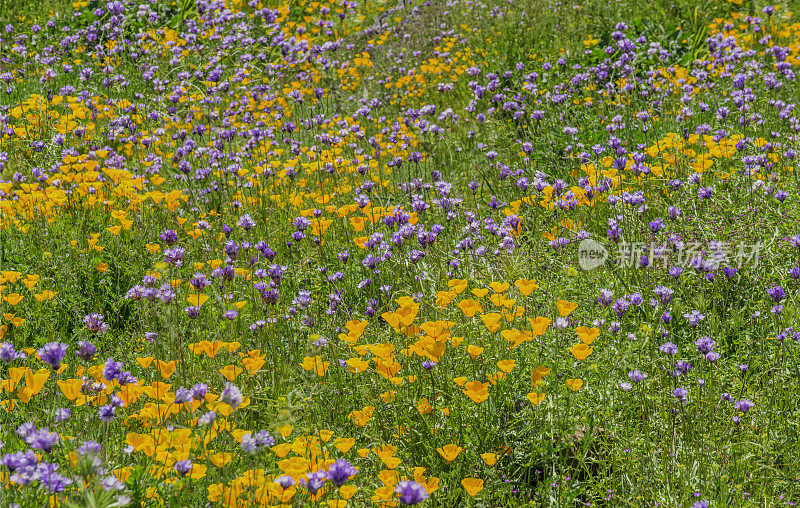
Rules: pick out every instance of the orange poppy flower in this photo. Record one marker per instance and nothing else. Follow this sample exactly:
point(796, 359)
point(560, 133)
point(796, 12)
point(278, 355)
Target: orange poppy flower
point(476, 391)
point(491, 321)
point(499, 287)
point(526, 287)
point(472, 485)
point(469, 307)
point(565, 308)
point(581, 351)
point(449, 452)
point(587, 335)
point(535, 398)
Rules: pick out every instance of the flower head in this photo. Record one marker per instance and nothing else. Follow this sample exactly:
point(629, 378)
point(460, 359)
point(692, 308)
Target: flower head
point(94, 322)
point(52, 353)
point(86, 350)
point(246, 222)
point(169, 237)
point(231, 395)
point(340, 471)
point(776, 293)
point(8, 354)
point(669, 348)
point(410, 492)
point(744, 405)
point(199, 391)
point(42, 439)
point(704, 344)
point(313, 481)
point(207, 419)
point(284, 481)
point(183, 467)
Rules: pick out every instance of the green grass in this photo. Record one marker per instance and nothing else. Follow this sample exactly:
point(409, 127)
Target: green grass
point(600, 444)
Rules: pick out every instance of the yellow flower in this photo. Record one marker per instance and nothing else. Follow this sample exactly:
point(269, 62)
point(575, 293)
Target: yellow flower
point(166, 369)
point(499, 287)
point(45, 295)
point(587, 335)
point(491, 321)
point(424, 406)
point(565, 308)
point(526, 287)
point(197, 299)
point(535, 398)
point(469, 307)
point(344, 444)
point(474, 351)
point(14, 298)
point(538, 374)
point(472, 485)
point(9, 276)
point(145, 361)
point(449, 452)
point(457, 285)
point(407, 314)
point(231, 372)
point(443, 298)
point(489, 458)
point(361, 418)
point(539, 325)
point(507, 365)
point(581, 351)
point(476, 391)
point(316, 364)
point(480, 293)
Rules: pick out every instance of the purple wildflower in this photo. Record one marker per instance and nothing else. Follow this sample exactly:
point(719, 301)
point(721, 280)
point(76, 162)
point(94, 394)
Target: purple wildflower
point(313, 481)
point(744, 405)
point(410, 492)
point(94, 322)
point(52, 353)
point(669, 348)
point(86, 350)
point(340, 471)
point(183, 467)
point(42, 439)
point(231, 395)
point(8, 354)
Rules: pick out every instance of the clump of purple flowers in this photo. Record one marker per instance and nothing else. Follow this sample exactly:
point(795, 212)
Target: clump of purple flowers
point(669, 348)
point(681, 394)
point(252, 443)
point(8, 353)
point(313, 481)
point(52, 353)
point(86, 350)
point(231, 395)
point(340, 471)
point(94, 322)
point(410, 492)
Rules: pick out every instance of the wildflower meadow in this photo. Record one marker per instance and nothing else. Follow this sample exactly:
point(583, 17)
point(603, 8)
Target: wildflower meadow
point(488, 253)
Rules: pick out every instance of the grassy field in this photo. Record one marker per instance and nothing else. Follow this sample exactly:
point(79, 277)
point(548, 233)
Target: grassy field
point(441, 253)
